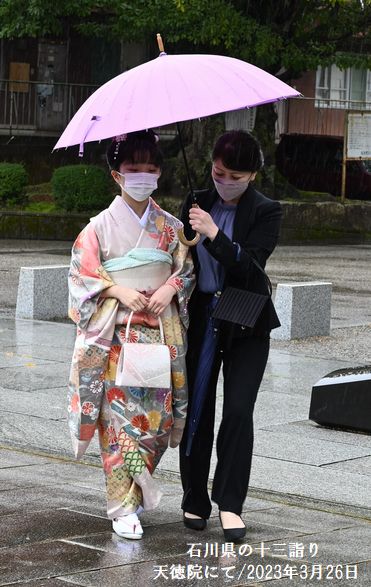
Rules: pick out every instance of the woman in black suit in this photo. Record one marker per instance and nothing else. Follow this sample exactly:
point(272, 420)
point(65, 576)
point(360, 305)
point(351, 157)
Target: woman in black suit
point(237, 224)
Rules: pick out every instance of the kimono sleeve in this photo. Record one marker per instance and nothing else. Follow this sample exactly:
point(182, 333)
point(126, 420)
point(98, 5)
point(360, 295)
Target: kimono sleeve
point(182, 279)
point(87, 278)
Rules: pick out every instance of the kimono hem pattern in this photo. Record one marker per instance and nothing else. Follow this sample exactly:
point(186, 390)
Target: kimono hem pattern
point(133, 423)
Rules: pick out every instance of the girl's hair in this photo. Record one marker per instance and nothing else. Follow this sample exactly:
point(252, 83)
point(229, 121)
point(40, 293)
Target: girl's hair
point(238, 150)
point(135, 147)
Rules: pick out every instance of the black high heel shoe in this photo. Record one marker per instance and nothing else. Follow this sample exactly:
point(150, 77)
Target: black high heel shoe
point(194, 523)
point(233, 534)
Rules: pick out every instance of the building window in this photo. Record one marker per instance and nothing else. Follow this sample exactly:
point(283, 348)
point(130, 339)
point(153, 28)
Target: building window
point(243, 119)
point(348, 89)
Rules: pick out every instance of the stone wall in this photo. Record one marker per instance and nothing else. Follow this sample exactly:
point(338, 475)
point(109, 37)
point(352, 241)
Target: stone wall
point(326, 222)
point(319, 222)
point(38, 226)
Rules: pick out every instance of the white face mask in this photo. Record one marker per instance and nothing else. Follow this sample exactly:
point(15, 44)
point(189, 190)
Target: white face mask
point(229, 190)
point(139, 186)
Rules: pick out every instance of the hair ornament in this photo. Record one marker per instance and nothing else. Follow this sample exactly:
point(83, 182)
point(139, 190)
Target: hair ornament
point(119, 139)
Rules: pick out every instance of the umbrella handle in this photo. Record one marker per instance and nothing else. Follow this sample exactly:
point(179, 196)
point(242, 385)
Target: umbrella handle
point(185, 241)
point(182, 236)
point(160, 43)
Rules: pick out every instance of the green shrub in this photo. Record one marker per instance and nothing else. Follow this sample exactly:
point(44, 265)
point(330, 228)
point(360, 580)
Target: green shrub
point(13, 181)
point(82, 188)
point(41, 192)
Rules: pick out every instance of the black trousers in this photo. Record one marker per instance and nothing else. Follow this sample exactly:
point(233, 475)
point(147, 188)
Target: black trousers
point(244, 362)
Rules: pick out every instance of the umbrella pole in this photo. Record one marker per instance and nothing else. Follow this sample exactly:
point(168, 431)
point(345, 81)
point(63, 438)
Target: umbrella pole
point(185, 162)
point(182, 237)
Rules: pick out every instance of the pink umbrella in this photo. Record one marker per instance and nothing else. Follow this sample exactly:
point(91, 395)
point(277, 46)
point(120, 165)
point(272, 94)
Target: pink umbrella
point(168, 89)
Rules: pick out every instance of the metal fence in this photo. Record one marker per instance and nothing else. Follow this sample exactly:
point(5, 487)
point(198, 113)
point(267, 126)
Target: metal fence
point(35, 107)
point(46, 108)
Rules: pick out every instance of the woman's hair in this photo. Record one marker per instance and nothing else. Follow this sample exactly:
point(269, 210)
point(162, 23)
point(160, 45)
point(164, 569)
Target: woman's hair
point(135, 147)
point(238, 150)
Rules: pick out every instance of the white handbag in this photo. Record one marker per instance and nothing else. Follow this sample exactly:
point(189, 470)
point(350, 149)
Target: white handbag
point(144, 365)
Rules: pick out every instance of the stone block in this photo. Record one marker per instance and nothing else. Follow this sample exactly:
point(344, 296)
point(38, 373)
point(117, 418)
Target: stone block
point(343, 399)
point(304, 310)
point(43, 293)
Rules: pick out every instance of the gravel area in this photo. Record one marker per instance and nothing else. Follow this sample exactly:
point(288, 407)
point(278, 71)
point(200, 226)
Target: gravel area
point(345, 344)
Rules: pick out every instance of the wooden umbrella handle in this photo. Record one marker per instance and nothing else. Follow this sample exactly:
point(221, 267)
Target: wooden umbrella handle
point(160, 43)
point(184, 240)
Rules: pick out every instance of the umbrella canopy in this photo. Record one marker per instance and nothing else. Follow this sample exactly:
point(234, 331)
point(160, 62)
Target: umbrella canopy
point(168, 89)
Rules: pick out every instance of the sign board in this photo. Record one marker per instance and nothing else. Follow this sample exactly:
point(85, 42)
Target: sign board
point(18, 73)
point(358, 135)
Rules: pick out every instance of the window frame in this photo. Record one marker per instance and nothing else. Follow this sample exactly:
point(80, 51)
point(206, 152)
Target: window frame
point(323, 101)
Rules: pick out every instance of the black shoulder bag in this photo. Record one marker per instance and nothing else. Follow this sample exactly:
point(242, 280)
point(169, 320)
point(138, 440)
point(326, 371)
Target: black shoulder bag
point(244, 307)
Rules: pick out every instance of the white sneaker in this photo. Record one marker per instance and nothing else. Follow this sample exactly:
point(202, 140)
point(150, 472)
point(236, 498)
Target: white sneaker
point(128, 527)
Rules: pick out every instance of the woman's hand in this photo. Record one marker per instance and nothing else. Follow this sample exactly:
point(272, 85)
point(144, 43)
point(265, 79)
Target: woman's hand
point(131, 298)
point(161, 299)
point(202, 222)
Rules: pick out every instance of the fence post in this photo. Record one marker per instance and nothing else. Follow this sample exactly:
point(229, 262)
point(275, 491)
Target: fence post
point(344, 161)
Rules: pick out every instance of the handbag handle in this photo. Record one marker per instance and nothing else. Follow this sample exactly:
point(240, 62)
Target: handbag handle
point(159, 323)
point(268, 281)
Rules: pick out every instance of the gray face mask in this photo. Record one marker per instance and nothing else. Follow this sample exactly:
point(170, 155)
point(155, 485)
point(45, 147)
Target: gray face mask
point(229, 190)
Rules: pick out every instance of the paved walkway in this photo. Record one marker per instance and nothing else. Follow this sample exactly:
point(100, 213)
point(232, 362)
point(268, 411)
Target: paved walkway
point(308, 509)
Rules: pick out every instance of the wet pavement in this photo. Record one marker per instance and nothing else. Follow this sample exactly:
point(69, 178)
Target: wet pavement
point(308, 510)
point(54, 532)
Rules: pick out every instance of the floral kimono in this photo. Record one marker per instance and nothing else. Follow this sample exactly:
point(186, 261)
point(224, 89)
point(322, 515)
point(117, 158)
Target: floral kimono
point(134, 423)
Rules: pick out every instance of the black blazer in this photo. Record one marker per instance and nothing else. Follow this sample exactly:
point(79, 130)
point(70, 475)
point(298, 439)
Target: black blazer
point(256, 229)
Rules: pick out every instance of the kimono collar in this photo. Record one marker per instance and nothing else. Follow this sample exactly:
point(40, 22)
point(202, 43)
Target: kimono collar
point(118, 209)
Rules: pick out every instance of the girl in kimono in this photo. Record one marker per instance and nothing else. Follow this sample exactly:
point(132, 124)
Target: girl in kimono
point(128, 263)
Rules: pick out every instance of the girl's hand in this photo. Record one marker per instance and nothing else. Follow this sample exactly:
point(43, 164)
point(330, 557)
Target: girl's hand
point(202, 222)
point(161, 299)
point(131, 298)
